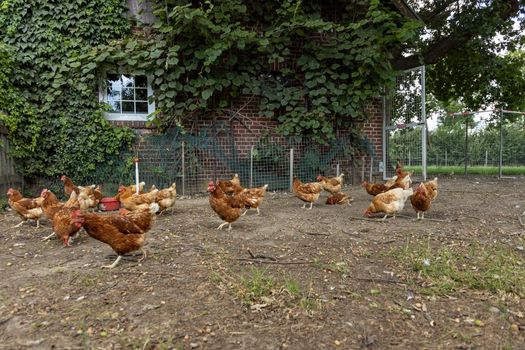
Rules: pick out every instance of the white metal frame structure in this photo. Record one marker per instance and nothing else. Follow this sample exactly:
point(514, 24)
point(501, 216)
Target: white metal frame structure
point(391, 125)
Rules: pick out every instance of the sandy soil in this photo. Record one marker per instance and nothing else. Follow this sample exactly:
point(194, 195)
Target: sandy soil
point(321, 279)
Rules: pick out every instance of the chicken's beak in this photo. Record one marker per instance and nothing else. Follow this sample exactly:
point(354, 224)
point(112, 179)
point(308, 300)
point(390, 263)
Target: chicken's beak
point(366, 213)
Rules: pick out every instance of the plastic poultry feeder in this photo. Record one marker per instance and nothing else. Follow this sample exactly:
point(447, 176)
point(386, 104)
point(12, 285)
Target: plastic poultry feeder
point(109, 204)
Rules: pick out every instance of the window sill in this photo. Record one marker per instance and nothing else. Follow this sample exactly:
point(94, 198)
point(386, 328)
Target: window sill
point(126, 117)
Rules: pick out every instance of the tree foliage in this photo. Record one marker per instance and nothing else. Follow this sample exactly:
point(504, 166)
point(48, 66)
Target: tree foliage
point(473, 50)
point(50, 106)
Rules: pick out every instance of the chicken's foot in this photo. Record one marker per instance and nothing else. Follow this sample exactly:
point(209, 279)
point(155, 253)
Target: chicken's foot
point(114, 263)
point(222, 225)
point(48, 237)
point(304, 205)
point(37, 223)
point(258, 211)
point(20, 224)
point(144, 255)
point(311, 205)
point(245, 212)
point(384, 217)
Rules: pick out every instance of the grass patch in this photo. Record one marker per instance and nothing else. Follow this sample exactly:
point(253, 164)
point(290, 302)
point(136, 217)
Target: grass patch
point(473, 170)
point(256, 287)
point(3, 203)
point(339, 267)
point(256, 284)
point(445, 270)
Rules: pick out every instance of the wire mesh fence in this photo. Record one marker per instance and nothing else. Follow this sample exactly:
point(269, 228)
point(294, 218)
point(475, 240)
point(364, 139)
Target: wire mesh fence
point(192, 160)
point(493, 144)
point(405, 123)
point(404, 144)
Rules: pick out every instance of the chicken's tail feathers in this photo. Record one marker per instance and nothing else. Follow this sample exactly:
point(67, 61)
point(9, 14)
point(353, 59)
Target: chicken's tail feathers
point(154, 208)
point(265, 186)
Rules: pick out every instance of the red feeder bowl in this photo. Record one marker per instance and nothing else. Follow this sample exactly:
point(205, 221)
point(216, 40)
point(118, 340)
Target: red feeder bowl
point(109, 204)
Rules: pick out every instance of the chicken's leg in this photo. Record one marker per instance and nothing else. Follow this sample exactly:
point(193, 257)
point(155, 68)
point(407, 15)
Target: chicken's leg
point(20, 224)
point(222, 225)
point(258, 211)
point(384, 217)
point(37, 223)
point(417, 215)
point(114, 263)
point(304, 205)
point(144, 254)
point(422, 215)
point(48, 237)
point(244, 212)
point(311, 205)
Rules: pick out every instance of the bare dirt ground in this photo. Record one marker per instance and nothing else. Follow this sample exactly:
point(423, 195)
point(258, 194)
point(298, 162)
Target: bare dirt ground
point(320, 279)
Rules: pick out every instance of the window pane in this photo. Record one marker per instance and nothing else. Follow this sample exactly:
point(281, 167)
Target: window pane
point(128, 81)
point(128, 107)
point(142, 107)
point(114, 85)
point(141, 81)
point(141, 94)
point(115, 106)
point(113, 95)
point(127, 94)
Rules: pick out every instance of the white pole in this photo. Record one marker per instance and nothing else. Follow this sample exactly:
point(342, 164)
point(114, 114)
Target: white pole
point(251, 166)
point(424, 120)
point(363, 168)
point(371, 168)
point(500, 165)
point(337, 170)
point(183, 169)
point(486, 157)
point(446, 158)
point(136, 160)
point(291, 169)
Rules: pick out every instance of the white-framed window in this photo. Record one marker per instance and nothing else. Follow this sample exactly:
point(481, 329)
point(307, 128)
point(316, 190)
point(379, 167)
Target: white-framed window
point(127, 95)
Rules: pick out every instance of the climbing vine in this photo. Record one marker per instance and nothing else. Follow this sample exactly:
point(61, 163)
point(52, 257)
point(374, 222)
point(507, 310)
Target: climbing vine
point(313, 66)
point(51, 108)
point(312, 72)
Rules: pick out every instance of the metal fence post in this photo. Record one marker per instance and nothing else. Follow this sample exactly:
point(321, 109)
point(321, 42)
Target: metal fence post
point(466, 144)
point(183, 171)
point(251, 166)
point(371, 168)
point(500, 170)
point(446, 158)
point(424, 120)
point(337, 170)
point(291, 169)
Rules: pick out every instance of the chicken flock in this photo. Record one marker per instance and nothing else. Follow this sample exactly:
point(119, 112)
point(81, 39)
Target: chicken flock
point(125, 231)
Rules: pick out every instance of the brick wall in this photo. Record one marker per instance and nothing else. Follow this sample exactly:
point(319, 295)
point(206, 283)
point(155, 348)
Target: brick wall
point(243, 124)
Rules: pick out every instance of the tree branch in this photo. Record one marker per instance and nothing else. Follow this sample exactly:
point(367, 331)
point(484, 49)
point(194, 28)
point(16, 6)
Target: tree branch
point(435, 52)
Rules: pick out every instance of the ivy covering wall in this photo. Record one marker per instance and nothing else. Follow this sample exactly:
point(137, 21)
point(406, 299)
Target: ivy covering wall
point(49, 105)
point(314, 65)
